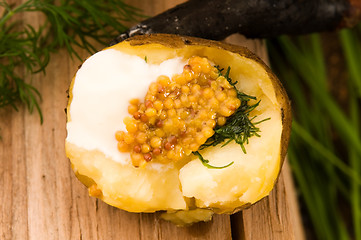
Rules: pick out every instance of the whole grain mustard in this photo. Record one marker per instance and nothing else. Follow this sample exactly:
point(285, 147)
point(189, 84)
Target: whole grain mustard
point(177, 115)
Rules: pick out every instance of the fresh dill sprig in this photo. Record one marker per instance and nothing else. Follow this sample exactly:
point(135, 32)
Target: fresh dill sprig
point(205, 162)
point(239, 126)
point(68, 23)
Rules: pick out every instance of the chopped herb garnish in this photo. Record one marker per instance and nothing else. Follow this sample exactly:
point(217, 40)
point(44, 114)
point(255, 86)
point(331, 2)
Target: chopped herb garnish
point(239, 126)
point(146, 59)
point(205, 162)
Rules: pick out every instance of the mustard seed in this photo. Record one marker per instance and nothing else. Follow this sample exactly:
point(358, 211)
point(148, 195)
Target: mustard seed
point(137, 149)
point(147, 157)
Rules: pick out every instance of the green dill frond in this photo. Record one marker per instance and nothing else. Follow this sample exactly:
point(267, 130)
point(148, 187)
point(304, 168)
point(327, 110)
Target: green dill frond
point(239, 126)
point(68, 24)
point(205, 162)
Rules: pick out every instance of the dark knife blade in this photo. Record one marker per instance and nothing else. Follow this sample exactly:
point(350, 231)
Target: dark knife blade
point(217, 19)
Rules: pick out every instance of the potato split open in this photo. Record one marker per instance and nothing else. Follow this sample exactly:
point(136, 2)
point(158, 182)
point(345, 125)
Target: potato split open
point(185, 189)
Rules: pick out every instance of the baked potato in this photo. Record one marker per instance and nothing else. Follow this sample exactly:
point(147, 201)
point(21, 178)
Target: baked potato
point(187, 190)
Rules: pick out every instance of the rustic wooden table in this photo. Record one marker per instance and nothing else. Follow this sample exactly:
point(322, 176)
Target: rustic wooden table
point(40, 198)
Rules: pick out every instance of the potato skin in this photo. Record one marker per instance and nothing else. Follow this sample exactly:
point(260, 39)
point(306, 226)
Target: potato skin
point(176, 41)
point(179, 42)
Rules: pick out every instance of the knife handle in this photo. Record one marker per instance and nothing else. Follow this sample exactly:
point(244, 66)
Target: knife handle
point(217, 19)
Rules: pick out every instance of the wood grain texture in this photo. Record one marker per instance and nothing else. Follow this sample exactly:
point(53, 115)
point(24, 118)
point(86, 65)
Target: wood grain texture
point(40, 198)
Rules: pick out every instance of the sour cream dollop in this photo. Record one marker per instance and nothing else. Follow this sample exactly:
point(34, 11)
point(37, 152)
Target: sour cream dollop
point(101, 92)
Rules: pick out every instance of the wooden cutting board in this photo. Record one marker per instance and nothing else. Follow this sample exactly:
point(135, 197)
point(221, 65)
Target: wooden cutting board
point(40, 198)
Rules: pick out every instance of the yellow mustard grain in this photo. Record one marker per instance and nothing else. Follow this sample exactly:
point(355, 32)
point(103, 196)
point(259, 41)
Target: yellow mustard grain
point(177, 103)
point(129, 138)
point(159, 132)
point(196, 89)
point(130, 125)
point(158, 105)
point(221, 121)
point(172, 113)
point(225, 111)
point(168, 103)
point(145, 148)
point(185, 89)
point(163, 115)
point(211, 123)
point(163, 80)
point(141, 137)
point(152, 120)
point(123, 147)
point(150, 112)
point(119, 135)
point(134, 101)
point(201, 138)
point(143, 127)
point(214, 73)
point(221, 96)
point(207, 132)
point(156, 142)
point(232, 93)
point(180, 79)
point(208, 93)
point(137, 159)
point(188, 75)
